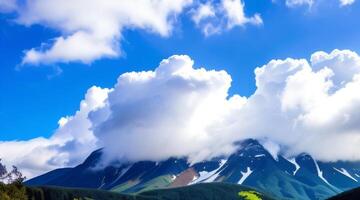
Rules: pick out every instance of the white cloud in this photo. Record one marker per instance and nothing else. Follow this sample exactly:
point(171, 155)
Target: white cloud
point(273, 148)
point(346, 2)
point(308, 107)
point(93, 29)
point(299, 106)
point(7, 5)
point(80, 46)
point(204, 11)
point(234, 10)
point(336, 61)
point(178, 110)
point(215, 17)
point(169, 108)
point(69, 145)
point(295, 3)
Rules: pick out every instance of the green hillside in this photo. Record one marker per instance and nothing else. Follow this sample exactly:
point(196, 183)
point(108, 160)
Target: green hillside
point(213, 191)
point(59, 193)
point(204, 191)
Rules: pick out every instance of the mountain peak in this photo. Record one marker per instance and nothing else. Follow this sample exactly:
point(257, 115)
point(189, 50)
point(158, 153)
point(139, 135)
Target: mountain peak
point(251, 165)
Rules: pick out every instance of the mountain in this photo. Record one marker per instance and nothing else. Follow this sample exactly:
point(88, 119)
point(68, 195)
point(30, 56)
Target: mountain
point(301, 177)
point(347, 195)
point(203, 191)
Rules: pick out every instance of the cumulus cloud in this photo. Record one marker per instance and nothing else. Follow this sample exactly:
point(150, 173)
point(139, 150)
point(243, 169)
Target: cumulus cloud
point(299, 105)
point(215, 17)
point(179, 110)
point(69, 145)
point(170, 108)
point(308, 107)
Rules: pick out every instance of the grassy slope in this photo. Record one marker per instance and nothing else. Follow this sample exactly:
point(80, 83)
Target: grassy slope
point(156, 183)
point(124, 186)
point(133, 186)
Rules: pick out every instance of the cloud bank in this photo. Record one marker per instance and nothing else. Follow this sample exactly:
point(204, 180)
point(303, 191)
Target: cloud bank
point(300, 105)
point(180, 110)
point(308, 106)
point(172, 111)
point(68, 146)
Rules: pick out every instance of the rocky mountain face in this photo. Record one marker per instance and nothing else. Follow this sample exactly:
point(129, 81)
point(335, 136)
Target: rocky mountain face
point(251, 165)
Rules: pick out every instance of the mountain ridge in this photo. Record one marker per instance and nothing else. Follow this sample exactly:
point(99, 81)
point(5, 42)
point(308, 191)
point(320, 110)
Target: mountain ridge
point(301, 177)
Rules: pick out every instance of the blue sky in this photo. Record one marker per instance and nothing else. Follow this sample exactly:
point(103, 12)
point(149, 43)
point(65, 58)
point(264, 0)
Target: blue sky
point(34, 98)
point(294, 66)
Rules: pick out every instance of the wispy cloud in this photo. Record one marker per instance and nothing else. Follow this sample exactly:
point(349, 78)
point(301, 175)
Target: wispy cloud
point(91, 30)
point(296, 3)
point(214, 18)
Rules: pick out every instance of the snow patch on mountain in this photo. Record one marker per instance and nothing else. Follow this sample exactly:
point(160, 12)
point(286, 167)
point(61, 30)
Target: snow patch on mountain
point(245, 175)
point(208, 176)
point(320, 174)
point(213, 177)
point(123, 171)
point(297, 166)
point(102, 182)
point(345, 173)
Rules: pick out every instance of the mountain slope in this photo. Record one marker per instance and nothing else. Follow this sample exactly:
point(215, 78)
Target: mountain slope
point(221, 191)
point(347, 195)
point(252, 165)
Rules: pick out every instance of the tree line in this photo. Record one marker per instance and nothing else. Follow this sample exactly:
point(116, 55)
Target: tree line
point(11, 184)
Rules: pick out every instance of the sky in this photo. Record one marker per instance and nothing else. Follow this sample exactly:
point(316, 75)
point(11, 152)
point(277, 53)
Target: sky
point(51, 55)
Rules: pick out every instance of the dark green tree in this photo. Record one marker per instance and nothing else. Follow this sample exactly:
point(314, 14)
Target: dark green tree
point(11, 187)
